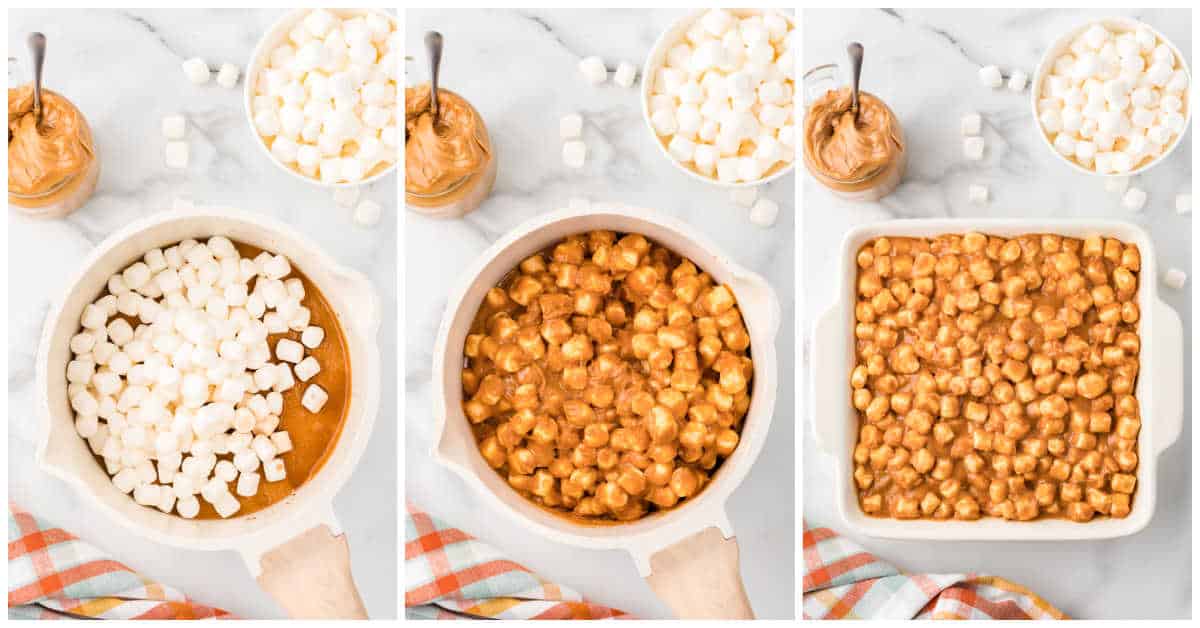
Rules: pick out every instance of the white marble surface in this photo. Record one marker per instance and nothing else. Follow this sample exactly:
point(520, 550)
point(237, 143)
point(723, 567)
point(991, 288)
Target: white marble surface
point(519, 69)
point(923, 63)
point(122, 69)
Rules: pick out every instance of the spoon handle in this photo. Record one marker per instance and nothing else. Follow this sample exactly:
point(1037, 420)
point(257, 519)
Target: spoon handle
point(37, 48)
point(855, 51)
point(433, 46)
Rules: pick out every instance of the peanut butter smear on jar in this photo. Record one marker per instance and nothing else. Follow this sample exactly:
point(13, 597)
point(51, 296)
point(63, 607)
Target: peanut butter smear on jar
point(844, 148)
point(42, 157)
point(438, 155)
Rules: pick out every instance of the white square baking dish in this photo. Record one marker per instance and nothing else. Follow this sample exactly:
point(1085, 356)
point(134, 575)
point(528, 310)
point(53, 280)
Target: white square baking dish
point(1159, 387)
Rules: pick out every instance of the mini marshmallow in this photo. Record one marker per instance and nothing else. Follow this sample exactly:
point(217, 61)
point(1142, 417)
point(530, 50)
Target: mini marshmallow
point(225, 471)
point(247, 484)
point(227, 505)
point(227, 76)
point(764, 212)
point(314, 398)
point(990, 76)
point(1134, 199)
point(307, 368)
point(274, 471)
point(196, 71)
point(744, 197)
point(625, 75)
point(1116, 185)
point(574, 154)
point(174, 127)
point(972, 124)
point(282, 441)
point(367, 214)
point(1174, 278)
point(570, 126)
point(311, 337)
point(977, 194)
point(1017, 80)
point(1183, 203)
point(289, 350)
point(973, 148)
point(593, 70)
point(176, 155)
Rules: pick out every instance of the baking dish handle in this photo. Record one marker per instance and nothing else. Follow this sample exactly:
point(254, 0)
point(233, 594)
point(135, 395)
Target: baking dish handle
point(699, 577)
point(1168, 379)
point(825, 387)
point(309, 574)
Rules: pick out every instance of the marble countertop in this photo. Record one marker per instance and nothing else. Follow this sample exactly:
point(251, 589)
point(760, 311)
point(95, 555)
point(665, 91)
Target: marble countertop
point(122, 68)
point(904, 51)
point(519, 69)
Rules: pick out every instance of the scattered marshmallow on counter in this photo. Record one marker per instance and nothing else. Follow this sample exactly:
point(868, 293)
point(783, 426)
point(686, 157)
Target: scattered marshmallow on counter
point(175, 155)
point(626, 74)
point(977, 194)
point(574, 154)
point(973, 148)
point(174, 127)
point(328, 97)
point(194, 379)
point(990, 76)
point(570, 126)
point(1116, 185)
point(1134, 199)
point(227, 76)
point(744, 197)
point(972, 124)
point(196, 71)
point(722, 104)
point(593, 70)
point(764, 212)
point(1175, 278)
point(368, 213)
point(346, 196)
point(1183, 203)
point(1114, 101)
point(1017, 80)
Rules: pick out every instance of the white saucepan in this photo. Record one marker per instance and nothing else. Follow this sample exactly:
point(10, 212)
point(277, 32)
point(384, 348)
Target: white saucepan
point(688, 554)
point(294, 548)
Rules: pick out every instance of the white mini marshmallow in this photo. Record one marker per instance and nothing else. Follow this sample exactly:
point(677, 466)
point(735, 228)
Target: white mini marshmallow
point(593, 70)
point(990, 76)
point(744, 197)
point(1183, 203)
point(196, 71)
point(289, 350)
point(227, 505)
point(764, 212)
point(977, 194)
point(973, 148)
point(1116, 185)
point(307, 368)
point(626, 74)
point(314, 398)
point(1174, 278)
point(1017, 79)
point(176, 155)
point(574, 154)
point(312, 336)
point(247, 484)
point(366, 214)
point(570, 126)
point(282, 441)
point(1134, 199)
point(972, 124)
point(274, 470)
point(227, 77)
point(174, 127)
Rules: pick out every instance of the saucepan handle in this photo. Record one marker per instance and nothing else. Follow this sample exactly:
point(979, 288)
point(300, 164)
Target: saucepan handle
point(1168, 379)
point(700, 578)
point(309, 573)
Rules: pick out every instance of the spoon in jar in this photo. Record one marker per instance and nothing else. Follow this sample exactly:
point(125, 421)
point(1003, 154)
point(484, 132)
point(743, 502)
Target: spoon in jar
point(855, 51)
point(433, 45)
point(37, 48)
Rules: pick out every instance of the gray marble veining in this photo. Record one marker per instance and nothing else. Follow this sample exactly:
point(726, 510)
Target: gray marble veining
point(924, 64)
point(519, 69)
point(122, 68)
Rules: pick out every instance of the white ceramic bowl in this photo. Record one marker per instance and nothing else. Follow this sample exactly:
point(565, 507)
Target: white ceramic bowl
point(657, 59)
point(276, 35)
point(1063, 44)
point(63, 454)
point(456, 449)
point(1159, 388)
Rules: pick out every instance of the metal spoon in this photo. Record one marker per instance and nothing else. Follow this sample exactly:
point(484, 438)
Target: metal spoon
point(37, 48)
point(433, 45)
point(855, 51)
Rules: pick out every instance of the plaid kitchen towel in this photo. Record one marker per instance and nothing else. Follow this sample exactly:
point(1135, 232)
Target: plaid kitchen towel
point(450, 574)
point(841, 581)
point(54, 575)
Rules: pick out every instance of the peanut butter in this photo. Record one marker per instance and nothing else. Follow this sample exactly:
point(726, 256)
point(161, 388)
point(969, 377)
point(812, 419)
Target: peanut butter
point(449, 167)
point(52, 166)
point(860, 156)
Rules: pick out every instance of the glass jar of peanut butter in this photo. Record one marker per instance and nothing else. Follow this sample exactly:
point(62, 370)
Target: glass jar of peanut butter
point(858, 157)
point(52, 164)
point(449, 164)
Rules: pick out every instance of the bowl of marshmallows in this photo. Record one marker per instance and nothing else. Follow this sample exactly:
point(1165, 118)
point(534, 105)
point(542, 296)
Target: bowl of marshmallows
point(321, 94)
point(1111, 97)
point(718, 95)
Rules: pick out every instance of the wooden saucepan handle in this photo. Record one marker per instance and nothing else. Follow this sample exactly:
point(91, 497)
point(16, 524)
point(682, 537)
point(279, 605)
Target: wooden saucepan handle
point(310, 577)
point(699, 577)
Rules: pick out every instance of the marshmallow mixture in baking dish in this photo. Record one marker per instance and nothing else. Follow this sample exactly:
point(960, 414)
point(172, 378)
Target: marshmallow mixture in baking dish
point(995, 377)
point(191, 383)
point(606, 377)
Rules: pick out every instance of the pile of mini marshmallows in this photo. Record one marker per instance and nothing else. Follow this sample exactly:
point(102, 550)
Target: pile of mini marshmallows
point(325, 102)
point(195, 379)
point(723, 102)
point(1115, 100)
